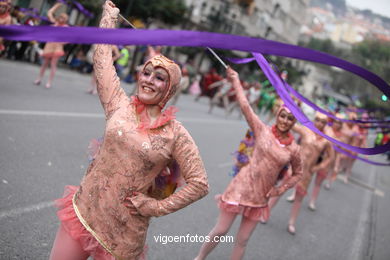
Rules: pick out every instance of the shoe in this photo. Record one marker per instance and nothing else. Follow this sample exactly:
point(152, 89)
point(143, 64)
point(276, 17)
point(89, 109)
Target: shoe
point(37, 82)
point(291, 229)
point(48, 85)
point(290, 198)
point(263, 221)
point(312, 207)
point(327, 186)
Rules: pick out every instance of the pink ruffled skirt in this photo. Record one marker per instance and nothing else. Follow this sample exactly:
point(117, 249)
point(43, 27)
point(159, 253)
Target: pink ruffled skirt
point(75, 229)
point(253, 213)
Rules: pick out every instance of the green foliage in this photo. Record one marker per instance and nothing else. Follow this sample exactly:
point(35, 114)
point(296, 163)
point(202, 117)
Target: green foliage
point(370, 54)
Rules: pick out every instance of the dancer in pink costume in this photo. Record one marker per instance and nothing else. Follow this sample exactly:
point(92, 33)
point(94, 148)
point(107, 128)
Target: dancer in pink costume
point(313, 146)
point(52, 50)
point(5, 18)
point(108, 215)
point(348, 134)
point(355, 139)
point(249, 191)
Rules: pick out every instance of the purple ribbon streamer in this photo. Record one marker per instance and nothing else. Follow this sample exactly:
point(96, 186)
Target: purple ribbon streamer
point(308, 102)
point(301, 117)
point(338, 149)
point(90, 35)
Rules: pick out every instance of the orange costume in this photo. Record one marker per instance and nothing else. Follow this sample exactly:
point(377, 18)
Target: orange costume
point(312, 147)
point(133, 153)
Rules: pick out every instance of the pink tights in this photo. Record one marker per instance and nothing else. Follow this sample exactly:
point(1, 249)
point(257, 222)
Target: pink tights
point(65, 247)
point(53, 64)
point(295, 209)
point(317, 187)
point(225, 221)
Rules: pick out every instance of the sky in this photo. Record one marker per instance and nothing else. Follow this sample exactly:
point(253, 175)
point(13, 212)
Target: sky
point(377, 6)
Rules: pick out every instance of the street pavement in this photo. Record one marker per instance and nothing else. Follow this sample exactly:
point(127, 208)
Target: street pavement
point(44, 139)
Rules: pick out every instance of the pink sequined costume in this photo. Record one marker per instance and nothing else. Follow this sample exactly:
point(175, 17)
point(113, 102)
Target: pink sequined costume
point(312, 147)
point(5, 18)
point(249, 191)
point(133, 153)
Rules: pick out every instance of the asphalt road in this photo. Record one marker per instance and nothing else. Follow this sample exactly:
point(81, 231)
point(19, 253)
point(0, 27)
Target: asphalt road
point(44, 139)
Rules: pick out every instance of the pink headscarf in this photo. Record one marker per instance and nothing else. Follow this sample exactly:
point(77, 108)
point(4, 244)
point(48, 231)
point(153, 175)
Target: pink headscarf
point(174, 73)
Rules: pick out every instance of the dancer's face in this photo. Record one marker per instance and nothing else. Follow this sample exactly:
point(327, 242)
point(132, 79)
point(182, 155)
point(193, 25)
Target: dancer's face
point(62, 19)
point(285, 121)
point(3, 8)
point(320, 123)
point(152, 84)
point(337, 125)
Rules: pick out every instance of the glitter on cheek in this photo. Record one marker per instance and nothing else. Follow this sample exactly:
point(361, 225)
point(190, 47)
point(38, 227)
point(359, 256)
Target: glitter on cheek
point(145, 145)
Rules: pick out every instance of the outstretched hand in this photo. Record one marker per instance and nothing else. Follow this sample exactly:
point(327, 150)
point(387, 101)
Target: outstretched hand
point(232, 75)
point(111, 9)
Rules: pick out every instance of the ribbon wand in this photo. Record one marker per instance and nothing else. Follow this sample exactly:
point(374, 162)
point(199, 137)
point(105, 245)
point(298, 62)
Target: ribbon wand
point(217, 57)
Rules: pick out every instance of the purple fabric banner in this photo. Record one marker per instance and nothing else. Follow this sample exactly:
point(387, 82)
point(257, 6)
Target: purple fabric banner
point(338, 149)
point(90, 35)
point(301, 117)
point(308, 102)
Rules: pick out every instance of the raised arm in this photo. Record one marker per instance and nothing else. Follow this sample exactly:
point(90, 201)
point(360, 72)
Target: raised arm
point(50, 13)
point(107, 80)
point(187, 155)
point(299, 129)
point(253, 120)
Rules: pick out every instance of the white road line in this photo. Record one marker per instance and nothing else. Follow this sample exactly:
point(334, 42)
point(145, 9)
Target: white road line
point(96, 115)
point(363, 185)
point(48, 113)
point(357, 249)
point(20, 211)
point(226, 164)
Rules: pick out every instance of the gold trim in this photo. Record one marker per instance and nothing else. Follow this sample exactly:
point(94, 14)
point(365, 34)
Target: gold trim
point(90, 230)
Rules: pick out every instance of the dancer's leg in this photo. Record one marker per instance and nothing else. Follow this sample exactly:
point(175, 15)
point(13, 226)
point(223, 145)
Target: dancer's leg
point(316, 190)
point(244, 233)
point(348, 173)
point(225, 221)
point(335, 171)
point(53, 65)
point(295, 212)
point(42, 71)
point(65, 248)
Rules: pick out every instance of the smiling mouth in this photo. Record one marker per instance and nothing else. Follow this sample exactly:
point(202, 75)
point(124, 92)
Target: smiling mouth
point(147, 89)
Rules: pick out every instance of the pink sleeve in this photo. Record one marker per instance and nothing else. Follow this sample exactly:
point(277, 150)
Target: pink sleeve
point(253, 120)
point(297, 172)
point(108, 81)
point(186, 153)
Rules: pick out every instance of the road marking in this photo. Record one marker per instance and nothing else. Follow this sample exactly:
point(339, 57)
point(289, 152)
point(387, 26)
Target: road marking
point(363, 185)
point(96, 115)
point(48, 113)
point(224, 165)
point(357, 249)
point(20, 211)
